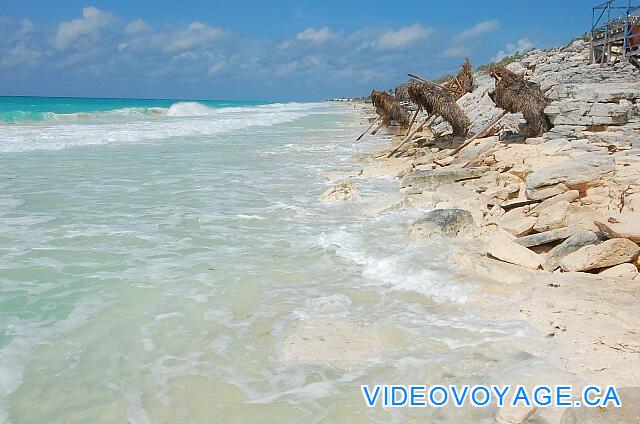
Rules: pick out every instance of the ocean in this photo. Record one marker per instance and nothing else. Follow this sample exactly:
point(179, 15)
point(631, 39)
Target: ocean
point(161, 262)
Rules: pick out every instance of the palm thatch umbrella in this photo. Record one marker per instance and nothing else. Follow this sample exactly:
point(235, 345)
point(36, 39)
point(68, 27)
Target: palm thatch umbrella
point(389, 108)
point(436, 100)
point(401, 92)
point(462, 83)
point(514, 94)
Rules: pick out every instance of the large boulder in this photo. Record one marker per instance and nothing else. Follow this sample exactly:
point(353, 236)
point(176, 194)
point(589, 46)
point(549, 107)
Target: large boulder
point(609, 253)
point(444, 223)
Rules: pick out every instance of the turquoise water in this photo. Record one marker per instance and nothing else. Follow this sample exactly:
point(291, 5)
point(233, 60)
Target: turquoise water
point(177, 268)
point(14, 109)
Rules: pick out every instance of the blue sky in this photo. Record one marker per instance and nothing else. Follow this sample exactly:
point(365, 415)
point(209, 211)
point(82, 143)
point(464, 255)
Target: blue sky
point(261, 50)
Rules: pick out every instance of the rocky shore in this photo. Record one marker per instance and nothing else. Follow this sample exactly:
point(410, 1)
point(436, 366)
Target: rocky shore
point(552, 223)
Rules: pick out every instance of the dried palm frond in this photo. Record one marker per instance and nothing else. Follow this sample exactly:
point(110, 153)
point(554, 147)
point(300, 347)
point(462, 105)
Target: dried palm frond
point(436, 100)
point(514, 94)
point(462, 83)
point(389, 108)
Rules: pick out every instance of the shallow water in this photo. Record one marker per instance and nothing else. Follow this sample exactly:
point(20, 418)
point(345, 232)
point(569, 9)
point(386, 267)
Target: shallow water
point(152, 268)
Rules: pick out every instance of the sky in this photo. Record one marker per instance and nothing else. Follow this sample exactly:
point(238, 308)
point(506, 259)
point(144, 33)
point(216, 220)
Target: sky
point(283, 50)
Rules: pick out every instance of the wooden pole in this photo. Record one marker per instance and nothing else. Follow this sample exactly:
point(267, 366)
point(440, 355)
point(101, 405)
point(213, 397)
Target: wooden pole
point(413, 119)
point(419, 78)
point(370, 126)
point(377, 128)
point(407, 138)
point(479, 133)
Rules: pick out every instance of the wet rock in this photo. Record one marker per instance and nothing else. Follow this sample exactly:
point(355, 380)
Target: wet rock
point(341, 192)
point(506, 250)
point(444, 223)
point(609, 253)
point(574, 242)
point(624, 271)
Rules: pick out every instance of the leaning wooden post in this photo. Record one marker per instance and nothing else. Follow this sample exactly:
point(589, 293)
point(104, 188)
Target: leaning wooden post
point(377, 128)
point(419, 78)
point(370, 126)
point(407, 138)
point(478, 134)
point(413, 119)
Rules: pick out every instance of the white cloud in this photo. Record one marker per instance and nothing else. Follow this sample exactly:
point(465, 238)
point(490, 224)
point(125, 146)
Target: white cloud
point(476, 30)
point(137, 26)
point(521, 46)
point(403, 37)
point(317, 36)
point(287, 68)
point(216, 67)
point(92, 21)
point(455, 52)
point(197, 34)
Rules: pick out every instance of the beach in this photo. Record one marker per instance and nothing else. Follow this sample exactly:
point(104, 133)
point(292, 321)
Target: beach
point(184, 261)
point(187, 277)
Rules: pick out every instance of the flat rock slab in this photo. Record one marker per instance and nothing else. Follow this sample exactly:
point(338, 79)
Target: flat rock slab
point(628, 227)
point(576, 173)
point(568, 196)
point(430, 179)
point(609, 253)
point(506, 250)
point(626, 271)
point(546, 237)
point(552, 217)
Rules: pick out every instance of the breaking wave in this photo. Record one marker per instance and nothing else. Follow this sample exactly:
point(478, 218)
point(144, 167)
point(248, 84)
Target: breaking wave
point(129, 125)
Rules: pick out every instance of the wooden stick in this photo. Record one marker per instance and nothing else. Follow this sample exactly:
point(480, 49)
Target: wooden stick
point(419, 78)
point(407, 138)
point(376, 130)
point(370, 126)
point(479, 133)
point(413, 119)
